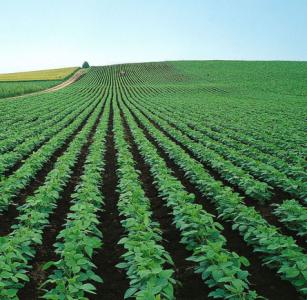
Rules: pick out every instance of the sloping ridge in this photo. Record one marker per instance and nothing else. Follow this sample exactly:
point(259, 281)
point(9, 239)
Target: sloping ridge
point(76, 76)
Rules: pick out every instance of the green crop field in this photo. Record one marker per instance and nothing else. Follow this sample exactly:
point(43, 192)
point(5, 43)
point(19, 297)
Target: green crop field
point(15, 84)
point(11, 89)
point(157, 181)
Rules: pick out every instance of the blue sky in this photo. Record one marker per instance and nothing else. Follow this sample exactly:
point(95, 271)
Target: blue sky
point(39, 34)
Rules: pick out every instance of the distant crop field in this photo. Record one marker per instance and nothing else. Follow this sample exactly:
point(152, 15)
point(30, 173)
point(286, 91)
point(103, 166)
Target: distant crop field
point(16, 84)
point(52, 74)
point(17, 88)
point(157, 181)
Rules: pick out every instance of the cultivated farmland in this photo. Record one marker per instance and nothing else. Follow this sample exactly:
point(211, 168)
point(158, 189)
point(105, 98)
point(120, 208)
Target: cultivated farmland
point(174, 180)
point(14, 84)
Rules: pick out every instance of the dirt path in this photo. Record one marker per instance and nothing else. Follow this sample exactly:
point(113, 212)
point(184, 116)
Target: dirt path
point(63, 84)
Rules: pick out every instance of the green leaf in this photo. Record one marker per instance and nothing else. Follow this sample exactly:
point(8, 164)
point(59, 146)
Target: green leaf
point(88, 287)
point(244, 261)
point(96, 278)
point(122, 265)
point(11, 292)
point(22, 276)
point(291, 273)
point(89, 251)
point(48, 265)
point(217, 275)
point(130, 292)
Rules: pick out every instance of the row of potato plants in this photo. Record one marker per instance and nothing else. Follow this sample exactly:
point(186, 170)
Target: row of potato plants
point(186, 124)
point(30, 129)
point(265, 172)
point(9, 159)
point(220, 124)
point(257, 169)
point(293, 215)
point(167, 93)
point(229, 172)
point(282, 139)
point(244, 110)
point(30, 101)
point(220, 269)
point(28, 109)
point(216, 119)
point(15, 111)
point(204, 134)
point(11, 185)
point(73, 272)
point(293, 171)
point(145, 260)
point(19, 247)
point(41, 107)
point(278, 251)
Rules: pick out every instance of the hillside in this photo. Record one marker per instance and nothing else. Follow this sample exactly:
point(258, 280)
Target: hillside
point(16, 84)
point(167, 180)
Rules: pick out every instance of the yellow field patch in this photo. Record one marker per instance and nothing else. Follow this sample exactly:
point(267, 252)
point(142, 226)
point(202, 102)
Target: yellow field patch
point(52, 74)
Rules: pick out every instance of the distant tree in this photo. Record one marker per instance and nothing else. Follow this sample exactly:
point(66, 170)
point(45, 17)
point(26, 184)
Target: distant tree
point(85, 65)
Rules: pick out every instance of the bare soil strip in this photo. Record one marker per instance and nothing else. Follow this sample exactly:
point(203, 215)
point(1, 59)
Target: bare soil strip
point(115, 282)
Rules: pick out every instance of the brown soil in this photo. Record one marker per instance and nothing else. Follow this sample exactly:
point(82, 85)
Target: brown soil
point(115, 282)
